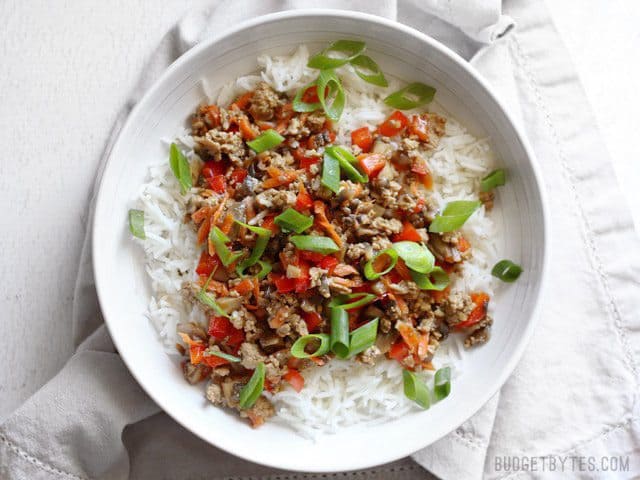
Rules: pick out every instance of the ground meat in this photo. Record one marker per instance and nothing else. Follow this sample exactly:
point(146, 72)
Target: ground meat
point(195, 373)
point(457, 308)
point(477, 337)
point(214, 394)
point(276, 199)
point(487, 199)
point(218, 143)
point(264, 103)
point(445, 247)
point(434, 126)
point(250, 355)
point(369, 355)
point(358, 251)
point(261, 411)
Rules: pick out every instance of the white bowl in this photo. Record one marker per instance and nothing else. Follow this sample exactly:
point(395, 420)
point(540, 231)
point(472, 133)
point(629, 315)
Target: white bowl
point(124, 290)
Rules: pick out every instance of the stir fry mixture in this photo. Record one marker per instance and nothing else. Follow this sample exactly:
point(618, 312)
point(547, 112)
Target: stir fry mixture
point(313, 250)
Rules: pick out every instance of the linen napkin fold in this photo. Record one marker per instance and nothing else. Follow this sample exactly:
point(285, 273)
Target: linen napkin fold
point(575, 391)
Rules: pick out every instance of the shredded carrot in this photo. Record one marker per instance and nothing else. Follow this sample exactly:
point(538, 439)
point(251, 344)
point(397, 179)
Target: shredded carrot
point(402, 305)
point(219, 288)
point(245, 286)
point(243, 101)
point(218, 212)
point(246, 130)
point(187, 339)
point(227, 224)
point(202, 213)
point(279, 177)
point(463, 244)
point(203, 231)
point(321, 216)
point(403, 270)
point(256, 290)
point(440, 296)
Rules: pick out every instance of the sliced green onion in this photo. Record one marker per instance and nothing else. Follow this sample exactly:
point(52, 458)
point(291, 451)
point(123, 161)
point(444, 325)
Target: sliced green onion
point(337, 54)
point(339, 332)
point(266, 141)
point(301, 106)
point(411, 96)
point(442, 384)
point(363, 337)
point(497, 178)
point(215, 353)
point(328, 78)
point(265, 268)
point(208, 300)
point(331, 173)
point(293, 221)
point(416, 390)
point(264, 234)
point(347, 163)
point(454, 215)
point(314, 243)
point(370, 272)
point(436, 279)
point(180, 167)
point(369, 71)
point(136, 223)
point(507, 271)
point(352, 300)
point(417, 256)
point(253, 389)
point(298, 349)
point(219, 239)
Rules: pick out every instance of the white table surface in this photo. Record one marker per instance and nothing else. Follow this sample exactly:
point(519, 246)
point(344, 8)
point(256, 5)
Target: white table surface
point(67, 67)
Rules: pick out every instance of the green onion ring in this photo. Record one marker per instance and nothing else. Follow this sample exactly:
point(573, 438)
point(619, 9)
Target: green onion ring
point(442, 383)
point(453, 216)
point(208, 300)
point(416, 255)
point(507, 271)
point(214, 353)
point(265, 268)
point(363, 337)
point(416, 390)
point(136, 223)
point(436, 279)
point(347, 163)
point(328, 78)
point(264, 234)
point(180, 168)
point(219, 239)
point(350, 48)
point(253, 389)
point(330, 173)
point(497, 178)
point(369, 269)
point(301, 106)
point(314, 243)
point(293, 221)
point(362, 64)
point(266, 141)
point(298, 348)
point(411, 96)
point(339, 332)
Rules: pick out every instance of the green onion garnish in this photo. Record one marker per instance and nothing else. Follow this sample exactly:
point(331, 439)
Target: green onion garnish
point(298, 349)
point(136, 223)
point(411, 96)
point(331, 173)
point(333, 104)
point(436, 279)
point(215, 353)
point(369, 71)
point(442, 384)
point(208, 300)
point(417, 256)
point(337, 54)
point(264, 234)
point(352, 300)
point(301, 106)
point(370, 272)
point(416, 390)
point(253, 389)
point(293, 221)
point(339, 332)
point(180, 167)
point(347, 163)
point(219, 238)
point(454, 215)
point(495, 179)
point(265, 268)
point(506, 270)
point(314, 243)
point(363, 337)
point(266, 141)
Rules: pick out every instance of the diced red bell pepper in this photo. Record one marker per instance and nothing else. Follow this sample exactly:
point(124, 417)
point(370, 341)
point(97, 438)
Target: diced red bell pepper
point(207, 264)
point(213, 361)
point(303, 282)
point(408, 233)
point(303, 160)
point(304, 201)
point(463, 244)
point(419, 127)
point(283, 284)
point(212, 168)
point(195, 353)
point(481, 302)
point(223, 330)
point(310, 95)
point(245, 286)
point(295, 379)
point(329, 263)
point(399, 350)
point(269, 223)
point(238, 175)
point(393, 125)
point(313, 257)
point(217, 183)
point(371, 163)
point(363, 138)
point(312, 319)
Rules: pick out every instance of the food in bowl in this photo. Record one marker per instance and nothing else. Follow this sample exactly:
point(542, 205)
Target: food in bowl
point(318, 235)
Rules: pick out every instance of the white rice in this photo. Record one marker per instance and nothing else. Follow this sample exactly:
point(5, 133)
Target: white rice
point(340, 394)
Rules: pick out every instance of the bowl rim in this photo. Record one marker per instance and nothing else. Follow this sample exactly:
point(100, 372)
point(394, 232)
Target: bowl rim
point(525, 335)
